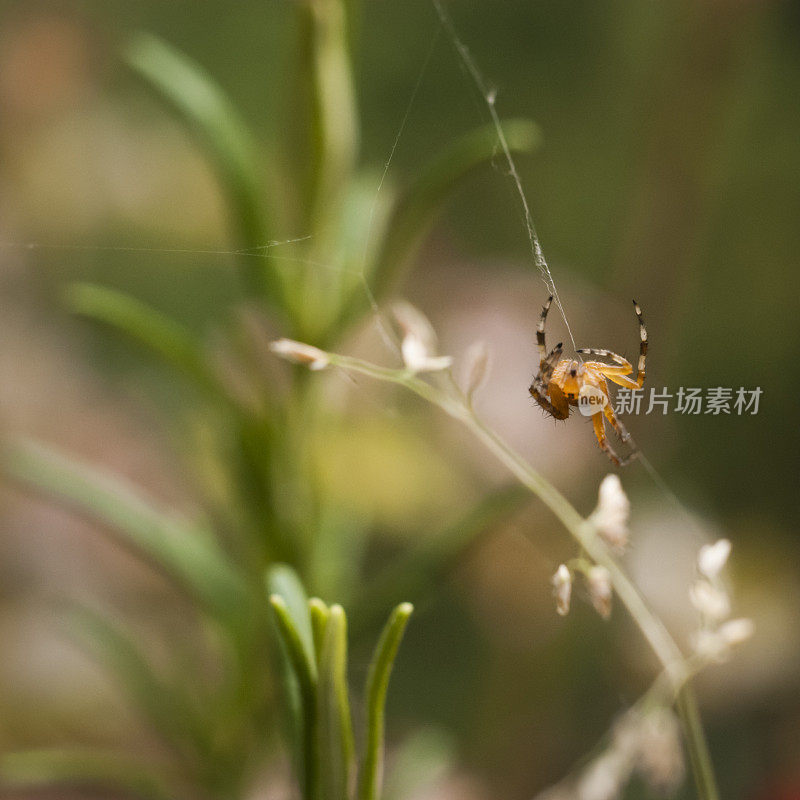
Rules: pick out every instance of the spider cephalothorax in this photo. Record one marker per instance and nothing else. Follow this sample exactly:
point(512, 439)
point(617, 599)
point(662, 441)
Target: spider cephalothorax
point(562, 383)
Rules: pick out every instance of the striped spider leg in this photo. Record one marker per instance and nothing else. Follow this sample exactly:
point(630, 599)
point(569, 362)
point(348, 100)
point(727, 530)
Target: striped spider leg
point(560, 383)
point(618, 373)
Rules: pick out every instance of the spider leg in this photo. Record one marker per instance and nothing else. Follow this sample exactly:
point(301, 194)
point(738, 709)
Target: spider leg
point(538, 388)
point(540, 330)
point(623, 434)
point(539, 394)
point(623, 362)
point(549, 363)
point(642, 347)
point(600, 433)
point(621, 380)
point(547, 366)
point(617, 374)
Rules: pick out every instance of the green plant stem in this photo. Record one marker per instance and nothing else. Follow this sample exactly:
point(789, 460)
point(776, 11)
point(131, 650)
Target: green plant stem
point(696, 744)
point(581, 530)
point(333, 104)
point(651, 627)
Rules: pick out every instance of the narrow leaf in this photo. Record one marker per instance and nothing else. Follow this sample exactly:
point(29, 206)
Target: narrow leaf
point(319, 619)
point(293, 620)
point(211, 117)
point(337, 748)
point(184, 550)
point(377, 686)
point(304, 667)
point(305, 673)
point(156, 331)
point(282, 580)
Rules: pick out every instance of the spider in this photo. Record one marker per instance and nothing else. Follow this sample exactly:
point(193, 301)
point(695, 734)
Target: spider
point(561, 383)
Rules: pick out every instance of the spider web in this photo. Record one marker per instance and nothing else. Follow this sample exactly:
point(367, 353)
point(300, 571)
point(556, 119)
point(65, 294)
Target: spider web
point(490, 96)
point(266, 250)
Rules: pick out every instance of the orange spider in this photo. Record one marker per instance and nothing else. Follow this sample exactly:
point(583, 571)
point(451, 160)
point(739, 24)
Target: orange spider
point(561, 383)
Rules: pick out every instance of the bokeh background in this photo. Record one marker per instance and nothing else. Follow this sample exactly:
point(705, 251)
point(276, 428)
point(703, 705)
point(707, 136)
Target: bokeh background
point(669, 171)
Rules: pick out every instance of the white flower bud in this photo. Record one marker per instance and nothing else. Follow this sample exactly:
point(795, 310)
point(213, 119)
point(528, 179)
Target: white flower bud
point(414, 323)
point(610, 518)
point(416, 356)
point(599, 582)
point(300, 353)
point(712, 558)
point(710, 601)
point(476, 367)
point(419, 341)
point(562, 588)
point(715, 645)
point(736, 631)
point(709, 645)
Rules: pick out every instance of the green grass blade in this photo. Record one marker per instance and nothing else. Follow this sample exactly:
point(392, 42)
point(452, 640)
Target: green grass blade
point(163, 335)
point(184, 550)
point(293, 619)
point(110, 771)
point(319, 619)
point(377, 685)
point(419, 204)
point(305, 672)
point(337, 747)
point(230, 146)
point(304, 668)
point(282, 580)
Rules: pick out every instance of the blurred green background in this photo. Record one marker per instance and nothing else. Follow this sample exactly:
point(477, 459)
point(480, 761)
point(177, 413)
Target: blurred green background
point(669, 171)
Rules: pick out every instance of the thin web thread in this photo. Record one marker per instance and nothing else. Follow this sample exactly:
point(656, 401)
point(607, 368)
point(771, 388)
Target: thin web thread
point(385, 330)
point(539, 260)
point(259, 251)
point(264, 251)
point(489, 96)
